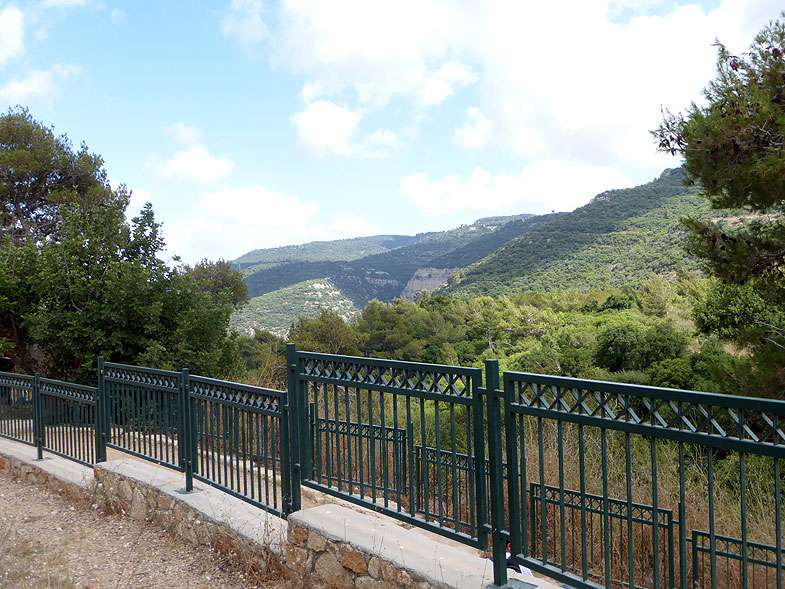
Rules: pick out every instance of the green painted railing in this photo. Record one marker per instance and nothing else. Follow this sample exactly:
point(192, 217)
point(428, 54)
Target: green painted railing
point(604, 454)
point(142, 412)
point(594, 484)
point(361, 422)
point(16, 407)
point(51, 415)
point(241, 434)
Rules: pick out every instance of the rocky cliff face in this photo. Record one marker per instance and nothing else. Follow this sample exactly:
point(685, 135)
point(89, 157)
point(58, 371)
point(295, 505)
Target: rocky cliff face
point(426, 279)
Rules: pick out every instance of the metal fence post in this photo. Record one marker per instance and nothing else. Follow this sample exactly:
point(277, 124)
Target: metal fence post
point(295, 425)
point(479, 461)
point(184, 431)
point(101, 415)
point(498, 538)
point(39, 431)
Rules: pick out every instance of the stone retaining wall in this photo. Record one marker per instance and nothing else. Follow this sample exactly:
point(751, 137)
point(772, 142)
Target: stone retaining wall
point(311, 556)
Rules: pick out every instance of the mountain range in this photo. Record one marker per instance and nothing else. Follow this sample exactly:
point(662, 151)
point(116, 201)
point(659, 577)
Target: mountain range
point(621, 237)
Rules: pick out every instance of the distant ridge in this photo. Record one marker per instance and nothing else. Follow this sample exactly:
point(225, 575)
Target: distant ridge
point(619, 238)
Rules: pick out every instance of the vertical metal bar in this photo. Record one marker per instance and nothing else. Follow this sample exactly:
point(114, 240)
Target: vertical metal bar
point(712, 536)
point(383, 447)
point(605, 508)
point(682, 518)
point(743, 490)
point(655, 515)
point(295, 473)
point(39, 431)
point(562, 530)
point(397, 466)
point(582, 470)
point(543, 506)
point(360, 452)
point(101, 414)
point(778, 520)
point(185, 434)
point(628, 476)
point(498, 543)
point(372, 445)
point(348, 444)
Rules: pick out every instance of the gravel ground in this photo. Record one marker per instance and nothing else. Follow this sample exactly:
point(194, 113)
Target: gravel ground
point(49, 540)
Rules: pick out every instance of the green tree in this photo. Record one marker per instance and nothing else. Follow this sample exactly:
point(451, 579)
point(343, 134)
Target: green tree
point(221, 281)
point(77, 281)
point(328, 333)
point(41, 173)
point(734, 146)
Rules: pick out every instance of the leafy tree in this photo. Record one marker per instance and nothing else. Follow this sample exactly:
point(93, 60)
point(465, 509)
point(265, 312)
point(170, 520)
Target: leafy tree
point(734, 146)
point(221, 281)
point(328, 333)
point(77, 281)
point(41, 173)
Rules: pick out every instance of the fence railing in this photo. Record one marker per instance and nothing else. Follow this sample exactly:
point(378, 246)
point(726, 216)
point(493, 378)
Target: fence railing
point(591, 463)
point(240, 435)
point(595, 484)
point(51, 415)
point(142, 411)
point(374, 414)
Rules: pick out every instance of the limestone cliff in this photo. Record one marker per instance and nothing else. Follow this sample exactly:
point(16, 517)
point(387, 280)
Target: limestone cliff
point(426, 279)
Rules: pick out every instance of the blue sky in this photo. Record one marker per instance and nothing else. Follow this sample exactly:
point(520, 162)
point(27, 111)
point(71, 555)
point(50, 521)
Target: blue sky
point(251, 124)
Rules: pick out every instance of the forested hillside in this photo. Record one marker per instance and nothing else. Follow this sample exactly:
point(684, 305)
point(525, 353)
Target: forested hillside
point(384, 275)
point(321, 251)
point(618, 239)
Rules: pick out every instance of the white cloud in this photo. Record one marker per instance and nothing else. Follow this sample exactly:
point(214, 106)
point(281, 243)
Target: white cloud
point(37, 85)
point(244, 22)
point(554, 79)
point(231, 221)
point(184, 133)
point(442, 83)
point(328, 129)
point(196, 165)
point(544, 185)
point(12, 33)
point(344, 226)
point(475, 133)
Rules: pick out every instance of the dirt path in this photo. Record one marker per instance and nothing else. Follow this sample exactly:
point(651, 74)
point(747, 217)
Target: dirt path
point(48, 540)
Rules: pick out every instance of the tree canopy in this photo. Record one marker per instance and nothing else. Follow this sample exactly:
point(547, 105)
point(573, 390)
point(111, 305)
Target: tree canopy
point(78, 281)
point(733, 145)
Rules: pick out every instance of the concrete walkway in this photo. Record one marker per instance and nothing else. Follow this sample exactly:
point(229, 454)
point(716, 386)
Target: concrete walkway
point(427, 555)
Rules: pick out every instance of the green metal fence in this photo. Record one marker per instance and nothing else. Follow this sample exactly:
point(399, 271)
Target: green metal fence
point(596, 484)
point(142, 412)
point(68, 422)
point(16, 407)
point(606, 457)
point(365, 405)
point(240, 435)
point(51, 415)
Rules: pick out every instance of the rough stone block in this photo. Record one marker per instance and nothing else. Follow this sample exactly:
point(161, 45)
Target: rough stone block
point(331, 572)
point(375, 567)
point(316, 541)
point(354, 560)
point(369, 583)
point(298, 535)
point(296, 558)
point(395, 575)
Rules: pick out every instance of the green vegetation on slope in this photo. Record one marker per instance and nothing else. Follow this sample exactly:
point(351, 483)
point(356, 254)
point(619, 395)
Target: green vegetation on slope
point(384, 275)
point(320, 251)
point(276, 311)
point(618, 238)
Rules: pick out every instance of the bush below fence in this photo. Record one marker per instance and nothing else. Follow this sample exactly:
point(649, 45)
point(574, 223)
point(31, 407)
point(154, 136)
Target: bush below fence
point(596, 484)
